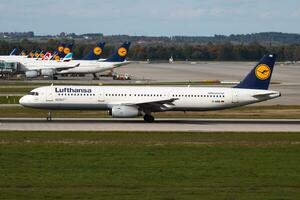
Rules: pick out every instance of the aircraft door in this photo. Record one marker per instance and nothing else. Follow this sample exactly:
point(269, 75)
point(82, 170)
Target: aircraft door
point(49, 96)
point(235, 97)
point(101, 97)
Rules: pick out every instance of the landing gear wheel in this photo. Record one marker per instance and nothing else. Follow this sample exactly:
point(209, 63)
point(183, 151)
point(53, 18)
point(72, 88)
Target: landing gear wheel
point(95, 77)
point(148, 118)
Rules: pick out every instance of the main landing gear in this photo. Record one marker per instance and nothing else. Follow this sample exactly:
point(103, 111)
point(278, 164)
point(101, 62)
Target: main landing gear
point(49, 117)
point(148, 118)
point(95, 77)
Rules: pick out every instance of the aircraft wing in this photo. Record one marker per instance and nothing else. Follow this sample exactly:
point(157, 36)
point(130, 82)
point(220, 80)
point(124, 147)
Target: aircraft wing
point(58, 69)
point(162, 101)
point(157, 105)
point(122, 63)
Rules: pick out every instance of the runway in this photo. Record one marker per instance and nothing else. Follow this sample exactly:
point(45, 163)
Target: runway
point(161, 124)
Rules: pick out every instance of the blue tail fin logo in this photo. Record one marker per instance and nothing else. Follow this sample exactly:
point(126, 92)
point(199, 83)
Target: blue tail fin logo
point(31, 54)
point(42, 54)
point(57, 57)
point(60, 48)
point(260, 76)
point(37, 54)
point(67, 50)
point(121, 53)
point(262, 72)
point(96, 52)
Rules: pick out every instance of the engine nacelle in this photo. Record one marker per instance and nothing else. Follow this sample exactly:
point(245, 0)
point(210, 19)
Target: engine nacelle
point(125, 111)
point(47, 72)
point(31, 74)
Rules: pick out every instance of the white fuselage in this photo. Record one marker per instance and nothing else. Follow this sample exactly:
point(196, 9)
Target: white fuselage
point(60, 67)
point(105, 97)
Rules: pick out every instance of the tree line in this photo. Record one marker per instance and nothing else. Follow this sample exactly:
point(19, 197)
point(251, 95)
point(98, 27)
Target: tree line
point(203, 52)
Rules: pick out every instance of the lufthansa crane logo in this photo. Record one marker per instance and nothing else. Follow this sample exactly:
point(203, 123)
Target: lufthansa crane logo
point(57, 58)
point(67, 50)
point(97, 51)
point(60, 48)
point(122, 52)
point(262, 72)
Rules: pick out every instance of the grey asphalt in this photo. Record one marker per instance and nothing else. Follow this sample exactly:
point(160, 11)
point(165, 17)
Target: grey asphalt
point(182, 125)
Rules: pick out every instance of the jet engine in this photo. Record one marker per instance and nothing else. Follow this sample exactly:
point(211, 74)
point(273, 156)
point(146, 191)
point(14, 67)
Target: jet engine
point(125, 111)
point(31, 74)
point(47, 72)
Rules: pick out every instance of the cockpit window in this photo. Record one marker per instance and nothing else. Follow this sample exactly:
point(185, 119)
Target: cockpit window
point(33, 93)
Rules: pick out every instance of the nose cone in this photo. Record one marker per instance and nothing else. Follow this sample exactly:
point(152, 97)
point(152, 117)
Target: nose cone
point(24, 101)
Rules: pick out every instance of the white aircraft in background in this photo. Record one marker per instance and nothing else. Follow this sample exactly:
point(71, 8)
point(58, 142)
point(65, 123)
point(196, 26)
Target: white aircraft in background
point(39, 67)
point(134, 101)
point(12, 57)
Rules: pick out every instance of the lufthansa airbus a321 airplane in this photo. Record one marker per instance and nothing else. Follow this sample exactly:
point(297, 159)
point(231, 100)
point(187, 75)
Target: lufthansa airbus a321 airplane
point(134, 101)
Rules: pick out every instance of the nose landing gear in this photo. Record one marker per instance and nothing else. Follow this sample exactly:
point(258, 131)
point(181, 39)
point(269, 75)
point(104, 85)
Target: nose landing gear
point(148, 118)
point(49, 117)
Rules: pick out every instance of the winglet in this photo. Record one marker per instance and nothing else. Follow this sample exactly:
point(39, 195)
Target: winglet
point(260, 76)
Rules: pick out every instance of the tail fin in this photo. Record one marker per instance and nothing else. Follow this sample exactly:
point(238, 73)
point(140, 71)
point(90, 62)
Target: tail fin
point(47, 56)
point(13, 52)
point(260, 76)
point(68, 57)
point(121, 53)
point(63, 50)
point(31, 54)
point(36, 54)
point(96, 53)
point(42, 54)
point(23, 53)
point(68, 48)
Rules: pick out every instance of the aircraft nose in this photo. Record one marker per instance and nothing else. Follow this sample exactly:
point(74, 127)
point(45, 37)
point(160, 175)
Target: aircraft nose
point(23, 101)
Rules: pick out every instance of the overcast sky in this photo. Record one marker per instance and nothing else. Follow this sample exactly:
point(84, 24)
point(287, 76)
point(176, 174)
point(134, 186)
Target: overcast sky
point(150, 17)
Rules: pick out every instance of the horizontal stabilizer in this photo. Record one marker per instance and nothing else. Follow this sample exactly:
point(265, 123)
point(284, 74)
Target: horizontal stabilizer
point(267, 95)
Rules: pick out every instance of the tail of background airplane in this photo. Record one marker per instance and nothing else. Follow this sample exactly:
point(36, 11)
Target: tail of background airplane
point(62, 50)
point(68, 57)
point(36, 54)
point(260, 76)
point(31, 54)
point(121, 53)
point(23, 53)
point(42, 54)
point(68, 48)
point(13, 52)
point(95, 54)
point(47, 56)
